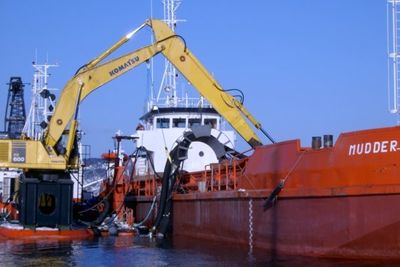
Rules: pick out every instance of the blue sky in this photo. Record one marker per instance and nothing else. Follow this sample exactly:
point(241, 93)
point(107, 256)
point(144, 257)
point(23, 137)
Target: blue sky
point(307, 68)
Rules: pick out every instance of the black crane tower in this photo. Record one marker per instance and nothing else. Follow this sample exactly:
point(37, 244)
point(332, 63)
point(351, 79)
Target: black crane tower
point(15, 115)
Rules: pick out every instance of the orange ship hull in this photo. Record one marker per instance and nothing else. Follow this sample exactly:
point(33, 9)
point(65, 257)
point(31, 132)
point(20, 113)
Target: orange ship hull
point(350, 227)
point(339, 201)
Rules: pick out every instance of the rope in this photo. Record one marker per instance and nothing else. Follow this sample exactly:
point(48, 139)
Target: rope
point(148, 213)
point(293, 167)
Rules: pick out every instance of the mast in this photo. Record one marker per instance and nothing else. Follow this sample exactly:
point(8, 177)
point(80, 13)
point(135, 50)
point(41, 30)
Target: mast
point(167, 92)
point(43, 102)
point(393, 47)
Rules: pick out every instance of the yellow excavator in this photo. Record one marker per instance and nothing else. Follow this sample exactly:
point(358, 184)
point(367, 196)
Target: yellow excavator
point(45, 163)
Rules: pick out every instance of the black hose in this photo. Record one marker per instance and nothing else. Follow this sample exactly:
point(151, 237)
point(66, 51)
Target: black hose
point(171, 171)
point(164, 192)
point(173, 36)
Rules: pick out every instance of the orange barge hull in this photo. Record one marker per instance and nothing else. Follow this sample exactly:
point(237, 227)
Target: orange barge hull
point(339, 201)
point(15, 231)
point(43, 235)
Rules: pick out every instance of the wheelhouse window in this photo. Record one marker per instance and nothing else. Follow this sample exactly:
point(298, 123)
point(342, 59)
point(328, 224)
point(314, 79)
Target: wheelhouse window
point(211, 122)
point(162, 123)
point(179, 123)
point(194, 122)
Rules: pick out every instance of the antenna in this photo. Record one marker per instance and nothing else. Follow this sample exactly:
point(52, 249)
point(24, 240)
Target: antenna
point(393, 47)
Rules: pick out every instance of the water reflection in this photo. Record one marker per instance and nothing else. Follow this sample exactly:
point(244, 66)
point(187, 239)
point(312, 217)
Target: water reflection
point(35, 253)
point(142, 251)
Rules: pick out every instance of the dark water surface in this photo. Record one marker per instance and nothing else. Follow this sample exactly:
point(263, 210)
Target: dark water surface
point(142, 251)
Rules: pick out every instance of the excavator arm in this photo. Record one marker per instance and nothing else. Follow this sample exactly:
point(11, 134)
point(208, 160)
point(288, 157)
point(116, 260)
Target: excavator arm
point(88, 80)
point(227, 106)
point(92, 76)
point(45, 155)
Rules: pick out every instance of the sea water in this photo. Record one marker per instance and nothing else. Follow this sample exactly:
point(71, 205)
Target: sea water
point(123, 251)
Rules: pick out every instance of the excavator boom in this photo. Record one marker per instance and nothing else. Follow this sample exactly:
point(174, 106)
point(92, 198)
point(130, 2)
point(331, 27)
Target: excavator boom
point(45, 155)
point(226, 105)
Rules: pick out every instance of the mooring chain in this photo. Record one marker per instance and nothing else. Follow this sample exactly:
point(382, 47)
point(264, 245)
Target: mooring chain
point(250, 226)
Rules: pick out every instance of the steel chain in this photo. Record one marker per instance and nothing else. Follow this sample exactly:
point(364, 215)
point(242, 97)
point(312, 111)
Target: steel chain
point(250, 226)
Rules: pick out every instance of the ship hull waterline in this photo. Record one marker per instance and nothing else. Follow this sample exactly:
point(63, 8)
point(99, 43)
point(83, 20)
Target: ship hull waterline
point(343, 226)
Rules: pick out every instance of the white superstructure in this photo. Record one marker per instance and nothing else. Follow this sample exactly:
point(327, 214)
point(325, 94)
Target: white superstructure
point(162, 127)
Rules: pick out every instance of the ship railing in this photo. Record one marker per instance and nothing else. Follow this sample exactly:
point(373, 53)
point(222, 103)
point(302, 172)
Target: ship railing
point(144, 185)
point(188, 102)
point(222, 176)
